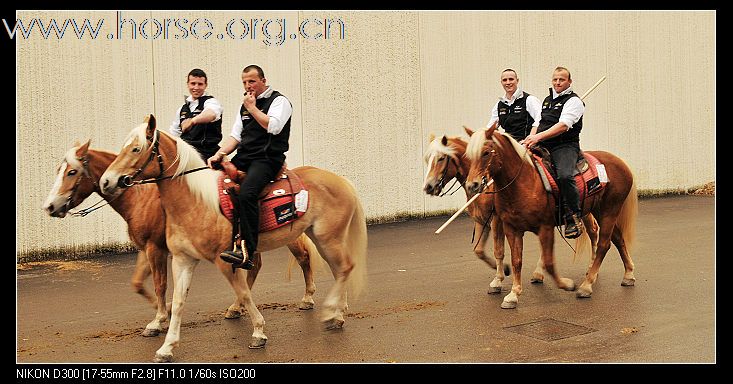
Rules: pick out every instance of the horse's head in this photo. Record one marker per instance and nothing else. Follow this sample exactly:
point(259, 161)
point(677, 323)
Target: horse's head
point(138, 159)
point(481, 153)
point(492, 153)
point(443, 160)
point(73, 182)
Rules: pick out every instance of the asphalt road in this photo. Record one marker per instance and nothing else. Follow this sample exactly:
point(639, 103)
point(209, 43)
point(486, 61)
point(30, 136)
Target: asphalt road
point(426, 301)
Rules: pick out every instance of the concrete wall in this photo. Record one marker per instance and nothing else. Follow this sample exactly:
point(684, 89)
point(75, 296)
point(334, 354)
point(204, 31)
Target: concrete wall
point(363, 104)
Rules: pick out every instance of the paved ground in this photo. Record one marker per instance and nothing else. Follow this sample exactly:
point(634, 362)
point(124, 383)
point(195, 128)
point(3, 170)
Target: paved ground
point(426, 302)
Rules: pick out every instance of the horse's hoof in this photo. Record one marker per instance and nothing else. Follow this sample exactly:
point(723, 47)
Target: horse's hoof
point(508, 304)
point(628, 282)
point(568, 284)
point(257, 343)
point(232, 314)
point(304, 305)
point(537, 279)
point(332, 324)
point(147, 332)
point(159, 358)
point(583, 293)
point(494, 290)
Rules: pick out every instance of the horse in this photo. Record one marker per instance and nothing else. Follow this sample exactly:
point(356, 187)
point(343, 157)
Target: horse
point(523, 205)
point(446, 160)
point(78, 177)
point(197, 230)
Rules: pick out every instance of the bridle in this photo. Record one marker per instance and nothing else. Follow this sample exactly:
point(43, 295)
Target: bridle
point(442, 181)
point(126, 181)
point(85, 173)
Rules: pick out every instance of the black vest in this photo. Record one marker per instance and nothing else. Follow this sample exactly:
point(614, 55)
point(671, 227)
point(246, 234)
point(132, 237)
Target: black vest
point(204, 137)
point(551, 110)
point(514, 118)
point(256, 142)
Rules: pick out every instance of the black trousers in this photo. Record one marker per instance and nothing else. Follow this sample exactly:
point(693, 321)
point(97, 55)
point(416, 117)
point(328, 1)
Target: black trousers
point(565, 158)
point(259, 174)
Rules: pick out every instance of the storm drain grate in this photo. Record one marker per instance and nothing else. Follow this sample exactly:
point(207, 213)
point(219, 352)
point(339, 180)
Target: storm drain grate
point(549, 329)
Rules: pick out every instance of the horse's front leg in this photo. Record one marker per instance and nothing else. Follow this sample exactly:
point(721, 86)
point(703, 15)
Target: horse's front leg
point(302, 256)
point(498, 229)
point(183, 267)
point(516, 244)
point(547, 242)
point(158, 264)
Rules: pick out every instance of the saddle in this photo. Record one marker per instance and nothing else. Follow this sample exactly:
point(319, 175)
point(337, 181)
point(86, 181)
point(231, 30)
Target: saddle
point(590, 177)
point(282, 201)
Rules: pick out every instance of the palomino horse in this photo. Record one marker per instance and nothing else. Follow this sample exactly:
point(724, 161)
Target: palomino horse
point(446, 160)
point(197, 230)
point(523, 205)
point(78, 177)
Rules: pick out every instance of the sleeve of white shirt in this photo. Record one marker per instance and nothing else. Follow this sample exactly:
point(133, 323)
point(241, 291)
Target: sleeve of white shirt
point(572, 111)
point(215, 106)
point(175, 128)
point(494, 115)
point(534, 108)
point(279, 113)
point(237, 128)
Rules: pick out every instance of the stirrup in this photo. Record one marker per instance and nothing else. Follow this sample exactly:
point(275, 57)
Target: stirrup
point(574, 228)
point(238, 258)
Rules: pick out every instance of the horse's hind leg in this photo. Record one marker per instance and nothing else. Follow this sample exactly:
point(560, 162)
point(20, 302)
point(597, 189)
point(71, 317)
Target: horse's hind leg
point(300, 252)
point(330, 245)
point(158, 264)
point(618, 241)
point(243, 302)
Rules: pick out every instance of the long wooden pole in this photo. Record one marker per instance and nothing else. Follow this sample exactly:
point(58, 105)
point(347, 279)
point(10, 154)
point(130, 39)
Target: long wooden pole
point(470, 201)
point(442, 227)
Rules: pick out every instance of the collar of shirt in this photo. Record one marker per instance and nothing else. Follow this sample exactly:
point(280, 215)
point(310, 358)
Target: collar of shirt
point(555, 95)
point(518, 94)
point(190, 100)
point(266, 94)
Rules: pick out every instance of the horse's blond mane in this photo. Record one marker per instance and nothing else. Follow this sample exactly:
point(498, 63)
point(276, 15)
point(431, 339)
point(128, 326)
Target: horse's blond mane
point(201, 183)
point(478, 139)
point(436, 147)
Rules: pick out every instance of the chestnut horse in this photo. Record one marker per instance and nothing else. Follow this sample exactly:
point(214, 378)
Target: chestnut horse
point(523, 205)
point(78, 177)
point(446, 160)
point(197, 230)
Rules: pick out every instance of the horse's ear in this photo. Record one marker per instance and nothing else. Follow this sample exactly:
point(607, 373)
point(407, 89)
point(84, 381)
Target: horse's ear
point(83, 148)
point(444, 140)
point(490, 132)
point(151, 124)
point(469, 131)
point(431, 137)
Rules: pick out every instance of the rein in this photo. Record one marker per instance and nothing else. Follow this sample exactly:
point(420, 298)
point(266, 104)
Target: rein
point(441, 181)
point(485, 180)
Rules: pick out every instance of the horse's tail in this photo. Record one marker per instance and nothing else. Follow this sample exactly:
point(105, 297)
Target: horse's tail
point(626, 221)
point(304, 243)
point(584, 242)
point(357, 246)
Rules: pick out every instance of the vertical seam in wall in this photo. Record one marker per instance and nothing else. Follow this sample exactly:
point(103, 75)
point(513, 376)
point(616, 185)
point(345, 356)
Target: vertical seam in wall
point(152, 61)
point(419, 111)
point(300, 89)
